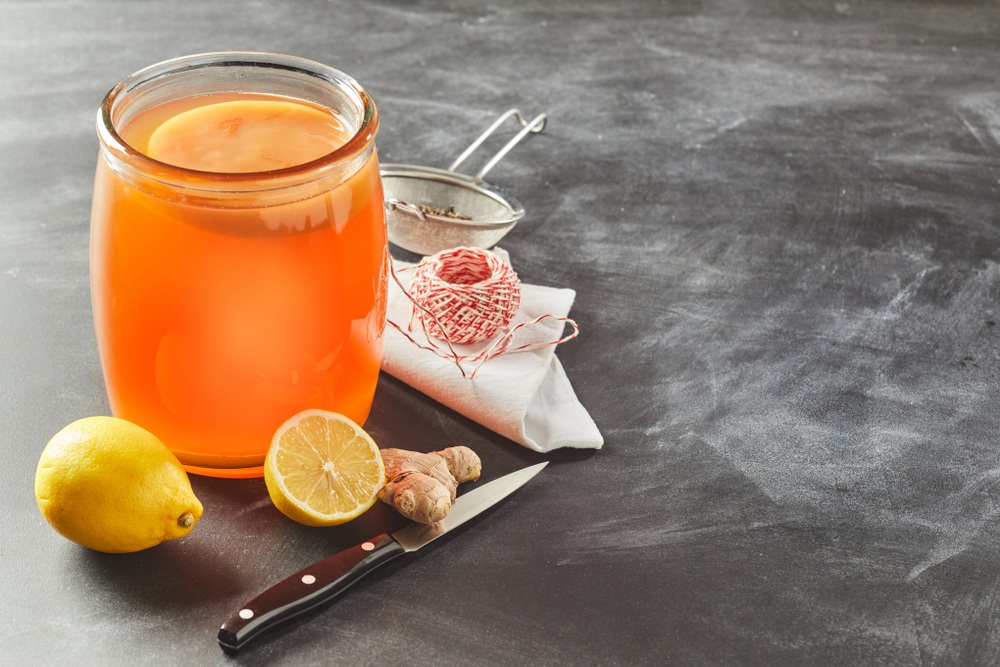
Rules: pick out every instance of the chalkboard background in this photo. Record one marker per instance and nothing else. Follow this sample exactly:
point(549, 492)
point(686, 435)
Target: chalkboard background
point(781, 220)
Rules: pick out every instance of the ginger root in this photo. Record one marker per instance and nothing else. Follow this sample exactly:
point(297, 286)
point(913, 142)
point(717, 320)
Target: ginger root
point(422, 486)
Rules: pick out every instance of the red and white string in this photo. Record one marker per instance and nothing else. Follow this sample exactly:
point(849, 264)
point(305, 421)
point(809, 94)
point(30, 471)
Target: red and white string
point(465, 295)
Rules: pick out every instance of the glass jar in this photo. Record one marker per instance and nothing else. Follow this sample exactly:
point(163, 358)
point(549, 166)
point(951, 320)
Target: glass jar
point(228, 299)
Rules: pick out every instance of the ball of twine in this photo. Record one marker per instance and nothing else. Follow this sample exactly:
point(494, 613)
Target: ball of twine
point(467, 294)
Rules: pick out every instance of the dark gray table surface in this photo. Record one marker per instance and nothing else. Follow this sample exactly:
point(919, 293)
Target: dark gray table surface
point(782, 220)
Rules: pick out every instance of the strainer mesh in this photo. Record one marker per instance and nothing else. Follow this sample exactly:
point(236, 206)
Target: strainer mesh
point(479, 206)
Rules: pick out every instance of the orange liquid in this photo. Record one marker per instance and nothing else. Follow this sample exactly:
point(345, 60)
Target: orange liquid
point(217, 324)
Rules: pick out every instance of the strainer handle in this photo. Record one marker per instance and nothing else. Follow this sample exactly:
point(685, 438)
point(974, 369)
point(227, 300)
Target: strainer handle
point(536, 125)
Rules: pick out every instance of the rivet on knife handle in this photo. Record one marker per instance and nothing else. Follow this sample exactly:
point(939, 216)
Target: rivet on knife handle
point(306, 590)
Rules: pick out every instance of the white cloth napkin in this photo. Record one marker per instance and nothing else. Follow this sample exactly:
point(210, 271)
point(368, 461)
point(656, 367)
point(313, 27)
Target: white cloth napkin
point(524, 396)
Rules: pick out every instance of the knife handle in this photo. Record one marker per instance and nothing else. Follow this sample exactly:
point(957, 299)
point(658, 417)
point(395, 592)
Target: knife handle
point(306, 590)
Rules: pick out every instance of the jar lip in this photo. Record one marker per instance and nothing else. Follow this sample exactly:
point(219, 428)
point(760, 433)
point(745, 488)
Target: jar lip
point(357, 143)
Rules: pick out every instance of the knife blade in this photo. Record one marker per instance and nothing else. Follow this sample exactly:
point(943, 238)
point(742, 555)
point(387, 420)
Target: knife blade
point(322, 582)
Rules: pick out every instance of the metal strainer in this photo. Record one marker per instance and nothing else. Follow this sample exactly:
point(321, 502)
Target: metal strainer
point(429, 210)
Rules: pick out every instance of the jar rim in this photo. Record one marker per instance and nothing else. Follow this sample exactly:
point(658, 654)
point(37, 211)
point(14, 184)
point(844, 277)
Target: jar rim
point(359, 141)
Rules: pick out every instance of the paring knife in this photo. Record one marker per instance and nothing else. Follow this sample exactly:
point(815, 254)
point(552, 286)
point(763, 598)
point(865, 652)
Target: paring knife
point(320, 583)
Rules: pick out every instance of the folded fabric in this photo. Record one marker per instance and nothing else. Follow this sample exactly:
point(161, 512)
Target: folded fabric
point(524, 396)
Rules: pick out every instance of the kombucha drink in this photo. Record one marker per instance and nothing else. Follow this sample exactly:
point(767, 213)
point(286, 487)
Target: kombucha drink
point(217, 319)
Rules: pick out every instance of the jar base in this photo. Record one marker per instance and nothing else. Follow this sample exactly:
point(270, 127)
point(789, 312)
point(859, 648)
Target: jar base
point(226, 473)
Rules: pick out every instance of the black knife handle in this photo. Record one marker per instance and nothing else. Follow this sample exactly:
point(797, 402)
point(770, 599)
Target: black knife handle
point(306, 590)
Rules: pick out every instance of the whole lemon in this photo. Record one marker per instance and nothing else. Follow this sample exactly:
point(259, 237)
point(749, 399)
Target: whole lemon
point(111, 485)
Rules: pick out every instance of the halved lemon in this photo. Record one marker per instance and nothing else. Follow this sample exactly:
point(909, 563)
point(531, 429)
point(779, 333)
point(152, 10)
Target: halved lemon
point(323, 469)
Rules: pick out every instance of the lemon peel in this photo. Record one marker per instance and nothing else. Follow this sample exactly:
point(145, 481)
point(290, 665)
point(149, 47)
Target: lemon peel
point(112, 486)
